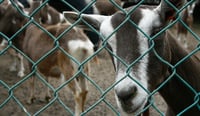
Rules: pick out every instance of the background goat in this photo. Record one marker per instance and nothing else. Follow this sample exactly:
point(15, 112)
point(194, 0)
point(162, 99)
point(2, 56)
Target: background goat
point(11, 21)
point(46, 15)
point(78, 5)
point(35, 43)
point(74, 42)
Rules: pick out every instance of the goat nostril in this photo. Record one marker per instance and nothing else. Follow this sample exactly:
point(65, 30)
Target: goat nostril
point(127, 94)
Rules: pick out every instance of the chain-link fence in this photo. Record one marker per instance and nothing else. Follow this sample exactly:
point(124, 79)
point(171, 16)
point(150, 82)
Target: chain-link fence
point(101, 100)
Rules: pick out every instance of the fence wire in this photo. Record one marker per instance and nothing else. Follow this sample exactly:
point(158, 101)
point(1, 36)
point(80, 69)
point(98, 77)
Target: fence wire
point(12, 88)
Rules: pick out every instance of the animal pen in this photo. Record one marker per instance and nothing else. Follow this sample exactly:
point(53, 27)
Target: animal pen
point(104, 101)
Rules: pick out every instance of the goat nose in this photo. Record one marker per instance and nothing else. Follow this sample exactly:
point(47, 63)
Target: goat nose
point(127, 94)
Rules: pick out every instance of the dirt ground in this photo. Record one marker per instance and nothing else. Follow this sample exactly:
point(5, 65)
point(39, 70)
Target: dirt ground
point(96, 105)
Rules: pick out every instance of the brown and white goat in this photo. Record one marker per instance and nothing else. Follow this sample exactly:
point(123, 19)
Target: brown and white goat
point(75, 43)
point(35, 43)
point(187, 18)
point(10, 22)
point(142, 70)
point(46, 15)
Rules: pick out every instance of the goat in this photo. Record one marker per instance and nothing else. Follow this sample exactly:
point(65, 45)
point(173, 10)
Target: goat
point(187, 18)
point(34, 43)
point(79, 5)
point(74, 42)
point(46, 15)
point(142, 71)
point(10, 23)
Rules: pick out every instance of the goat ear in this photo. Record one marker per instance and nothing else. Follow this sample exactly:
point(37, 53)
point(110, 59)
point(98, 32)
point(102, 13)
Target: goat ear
point(93, 20)
point(167, 11)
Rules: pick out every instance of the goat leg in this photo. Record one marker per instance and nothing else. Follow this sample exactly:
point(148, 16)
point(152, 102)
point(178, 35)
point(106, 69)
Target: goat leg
point(32, 95)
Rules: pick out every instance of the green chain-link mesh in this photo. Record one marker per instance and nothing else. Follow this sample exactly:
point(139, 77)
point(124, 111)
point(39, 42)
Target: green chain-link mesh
point(56, 98)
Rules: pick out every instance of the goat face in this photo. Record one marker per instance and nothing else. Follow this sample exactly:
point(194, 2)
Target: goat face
point(134, 73)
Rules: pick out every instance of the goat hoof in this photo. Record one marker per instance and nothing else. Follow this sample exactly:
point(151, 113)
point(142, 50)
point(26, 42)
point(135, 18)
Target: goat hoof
point(31, 100)
point(20, 74)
